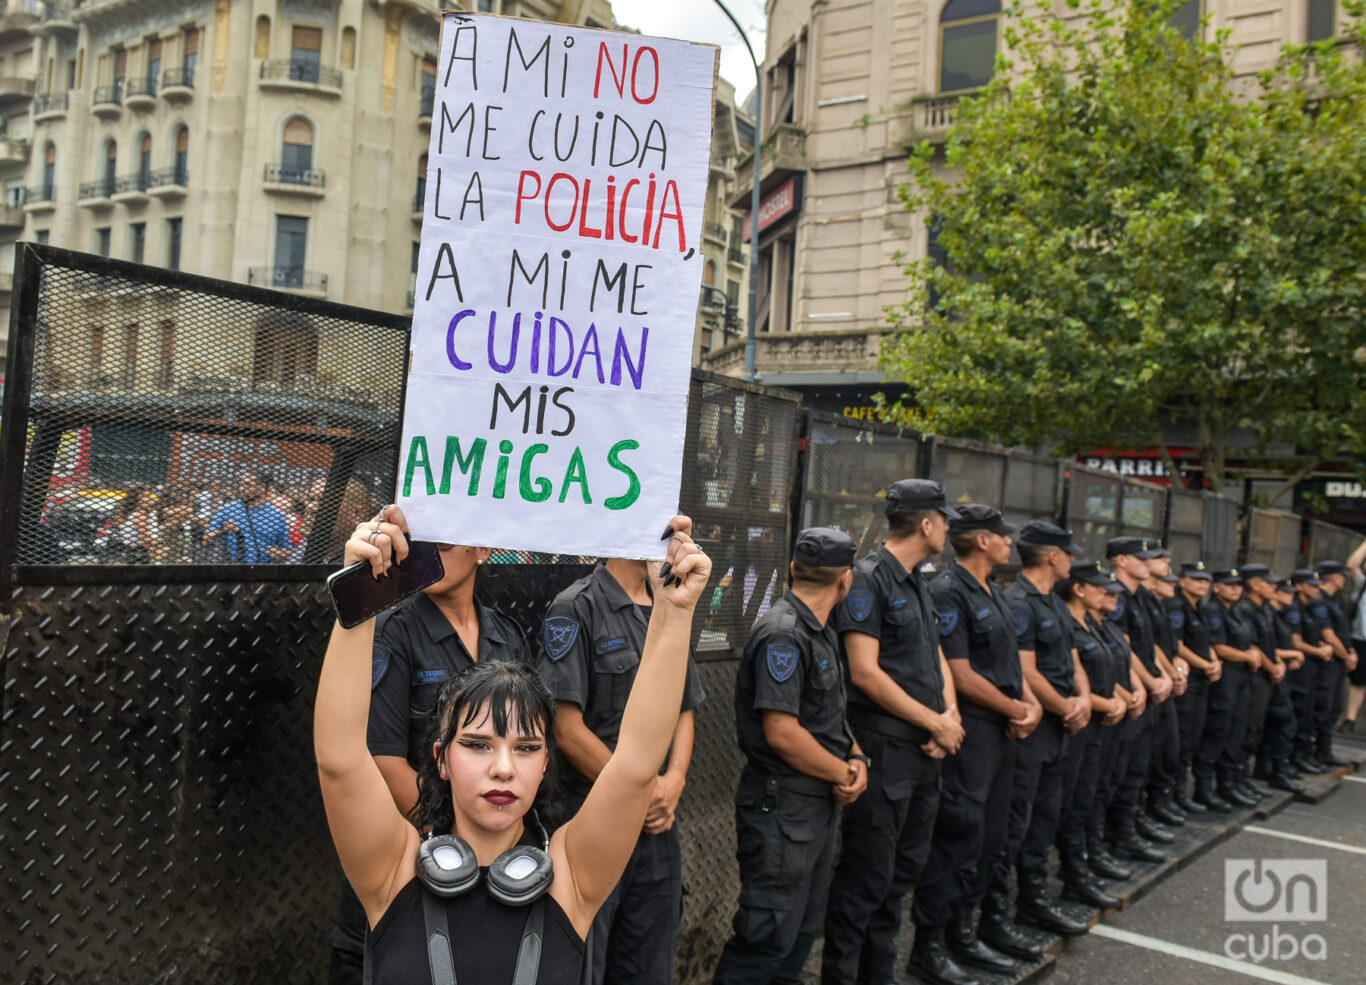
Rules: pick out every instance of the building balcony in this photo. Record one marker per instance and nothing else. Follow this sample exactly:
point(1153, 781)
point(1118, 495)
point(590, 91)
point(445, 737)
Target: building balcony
point(289, 278)
point(11, 217)
point(131, 189)
point(927, 118)
point(286, 180)
point(13, 151)
point(50, 106)
point(784, 154)
point(736, 256)
point(300, 75)
point(40, 198)
point(801, 352)
point(426, 108)
point(95, 194)
point(57, 18)
point(714, 231)
point(168, 183)
point(14, 90)
point(19, 18)
point(177, 84)
point(107, 102)
point(140, 94)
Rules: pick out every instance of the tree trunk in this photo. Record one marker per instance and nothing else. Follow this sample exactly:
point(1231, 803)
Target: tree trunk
point(1213, 447)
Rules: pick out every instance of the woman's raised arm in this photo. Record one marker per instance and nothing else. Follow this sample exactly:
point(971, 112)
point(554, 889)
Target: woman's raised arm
point(596, 845)
point(374, 841)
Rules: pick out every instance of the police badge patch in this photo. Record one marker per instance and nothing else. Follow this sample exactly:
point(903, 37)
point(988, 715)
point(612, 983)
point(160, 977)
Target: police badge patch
point(1215, 621)
point(782, 661)
point(859, 604)
point(1021, 620)
point(379, 663)
point(559, 634)
point(1177, 618)
point(948, 621)
point(1118, 614)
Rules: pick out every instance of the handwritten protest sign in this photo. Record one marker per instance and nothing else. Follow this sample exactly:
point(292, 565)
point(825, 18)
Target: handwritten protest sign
point(557, 287)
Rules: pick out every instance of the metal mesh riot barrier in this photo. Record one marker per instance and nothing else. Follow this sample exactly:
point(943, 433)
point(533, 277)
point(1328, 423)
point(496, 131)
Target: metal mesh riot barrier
point(1093, 510)
point(1185, 526)
point(1329, 542)
point(173, 420)
point(847, 468)
point(1274, 540)
point(1221, 532)
point(1143, 512)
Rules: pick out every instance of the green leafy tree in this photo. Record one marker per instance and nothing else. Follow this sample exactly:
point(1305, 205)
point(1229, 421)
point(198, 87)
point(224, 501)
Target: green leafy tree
point(1135, 238)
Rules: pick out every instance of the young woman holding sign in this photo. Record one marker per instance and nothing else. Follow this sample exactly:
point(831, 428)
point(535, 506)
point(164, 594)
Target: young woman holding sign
point(487, 897)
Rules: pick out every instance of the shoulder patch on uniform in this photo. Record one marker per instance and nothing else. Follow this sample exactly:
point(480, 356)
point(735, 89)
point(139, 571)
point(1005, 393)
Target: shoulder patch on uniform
point(1321, 611)
point(1021, 617)
point(859, 603)
point(782, 661)
point(1118, 614)
point(1293, 616)
point(559, 635)
point(1177, 618)
point(948, 621)
point(379, 664)
point(1215, 620)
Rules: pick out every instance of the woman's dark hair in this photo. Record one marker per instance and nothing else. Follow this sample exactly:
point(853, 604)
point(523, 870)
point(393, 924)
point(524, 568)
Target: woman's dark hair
point(1066, 588)
point(515, 698)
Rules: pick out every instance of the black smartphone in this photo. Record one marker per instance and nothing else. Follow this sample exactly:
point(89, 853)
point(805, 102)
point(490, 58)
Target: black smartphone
point(357, 595)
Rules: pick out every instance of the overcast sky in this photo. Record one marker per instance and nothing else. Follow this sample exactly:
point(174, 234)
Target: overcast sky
point(702, 20)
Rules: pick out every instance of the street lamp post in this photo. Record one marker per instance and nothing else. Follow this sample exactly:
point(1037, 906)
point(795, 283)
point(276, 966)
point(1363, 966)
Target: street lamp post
point(751, 374)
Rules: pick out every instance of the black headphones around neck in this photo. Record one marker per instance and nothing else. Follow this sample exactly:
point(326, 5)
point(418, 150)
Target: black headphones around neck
point(447, 866)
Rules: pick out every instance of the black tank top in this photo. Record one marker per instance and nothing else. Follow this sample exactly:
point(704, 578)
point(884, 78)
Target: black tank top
point(485, 936)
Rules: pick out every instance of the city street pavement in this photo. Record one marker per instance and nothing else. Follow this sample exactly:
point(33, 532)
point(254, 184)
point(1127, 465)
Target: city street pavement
point(1171, 927)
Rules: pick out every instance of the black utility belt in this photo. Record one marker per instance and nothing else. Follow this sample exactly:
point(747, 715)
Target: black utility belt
point(982, 713)
point(888, 725)
point(810, 786)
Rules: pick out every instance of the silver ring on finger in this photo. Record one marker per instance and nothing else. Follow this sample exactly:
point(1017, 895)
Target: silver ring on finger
point(373, 535)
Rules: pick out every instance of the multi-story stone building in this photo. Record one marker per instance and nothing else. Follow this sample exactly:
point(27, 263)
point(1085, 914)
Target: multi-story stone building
point(273, 142)
point(849, 88)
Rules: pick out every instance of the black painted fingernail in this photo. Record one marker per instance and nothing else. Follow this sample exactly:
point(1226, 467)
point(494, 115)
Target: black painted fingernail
point(664, 571)
point(671, 580)
point(668, 532)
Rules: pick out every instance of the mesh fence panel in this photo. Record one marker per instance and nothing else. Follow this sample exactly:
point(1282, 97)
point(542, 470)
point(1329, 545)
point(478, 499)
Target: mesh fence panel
point(177, 421)
point(970, 473)
point(848, 467)
point(1093, 509)
point(1330, 542)
point(1033, 487)
point(1221, 532)
point(1143, 512)
point(1186, 528)
point(1274, 540)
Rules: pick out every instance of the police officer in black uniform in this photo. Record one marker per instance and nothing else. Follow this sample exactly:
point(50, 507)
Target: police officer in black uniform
point(1132, 832)
point(1114, 764)
point(1331, 694)
point(1083, 595)
point(1308, 618)
point(977, 633)
point(801, 761)
point(1231, 638)
point(904, 714)
point(1186, 616)
point(419, 645)
point(591, 643)
point(1164, 770)
point(1271, 721)
point(1053, 672)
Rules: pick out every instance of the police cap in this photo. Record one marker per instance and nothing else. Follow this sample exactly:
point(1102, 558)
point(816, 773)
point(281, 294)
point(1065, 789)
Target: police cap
point(978, 516)
point(1196, 570)
point(1091, 572)
point(825, 547)
point(1251, 571)
point(1144, 550)
point(1041, 533)
point(1332, 568)
point(917, 495)
point(1305, 576)
point(1228, 576)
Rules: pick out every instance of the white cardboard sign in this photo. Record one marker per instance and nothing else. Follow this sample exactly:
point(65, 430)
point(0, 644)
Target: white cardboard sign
point(556, 288)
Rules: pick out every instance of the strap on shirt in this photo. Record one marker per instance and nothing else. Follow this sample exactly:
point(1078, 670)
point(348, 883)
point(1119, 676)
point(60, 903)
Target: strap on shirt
point(439, 942)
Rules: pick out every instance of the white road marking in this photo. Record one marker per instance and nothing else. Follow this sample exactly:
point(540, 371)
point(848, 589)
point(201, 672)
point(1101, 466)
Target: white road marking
point(1203, 957)
point(1304, 839)
point(1355, 779)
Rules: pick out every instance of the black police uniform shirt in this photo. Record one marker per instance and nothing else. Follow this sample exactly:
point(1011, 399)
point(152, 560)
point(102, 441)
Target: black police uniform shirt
point(1041, 624)
point(1280, 622)
point(1338, 618)
point(417, 650)
point(1096, 658)
point(893, 606)
point(1163, 632)
point(976, 625)
point(1132, 617)
point(1230, 626)
point(1320, 616)
point(590, 650)
point(1294, 616)
point(1118, 645)
point(1189, 625)
point(790, 664)
point(1263, 622)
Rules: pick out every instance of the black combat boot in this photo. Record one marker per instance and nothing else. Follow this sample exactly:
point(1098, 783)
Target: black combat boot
point(931, 960)
point(1036, 908)
point(1206, 797)
point(997, 930)
point(961, 936)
